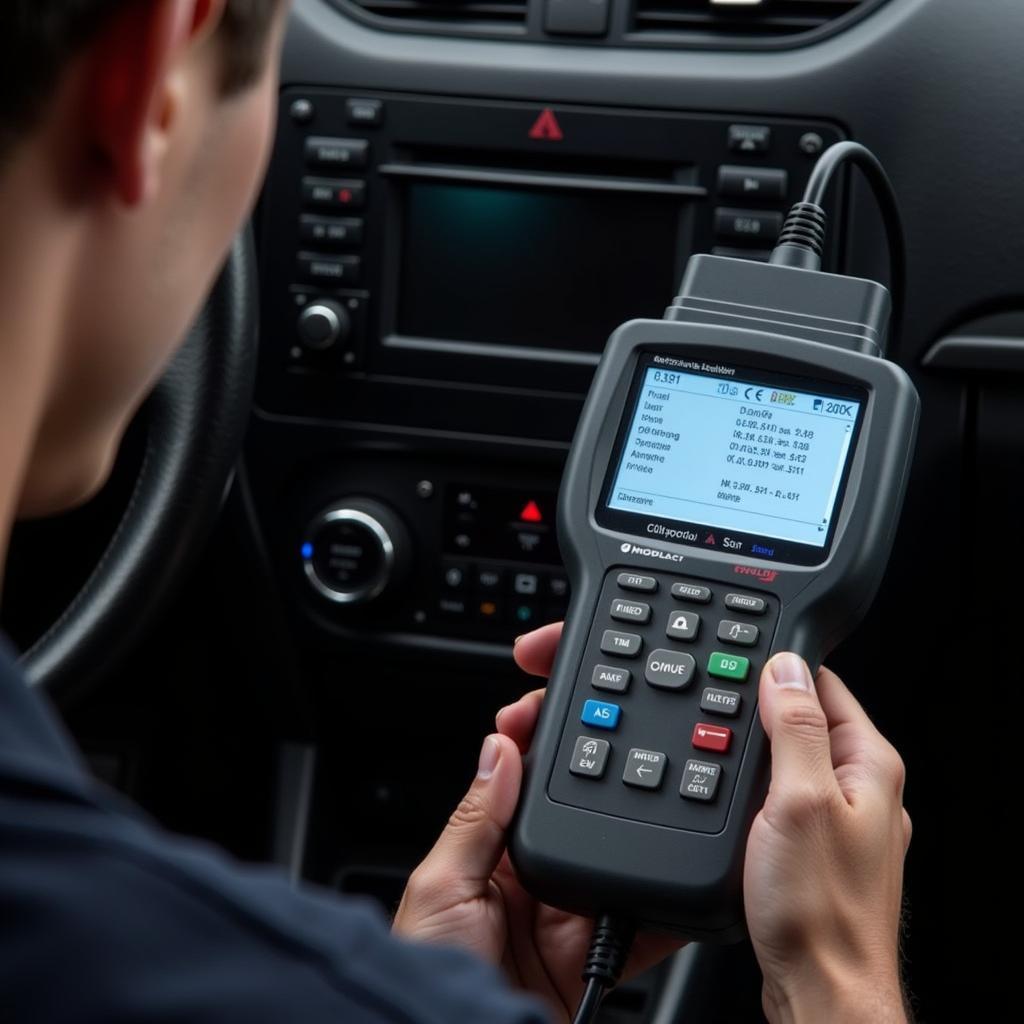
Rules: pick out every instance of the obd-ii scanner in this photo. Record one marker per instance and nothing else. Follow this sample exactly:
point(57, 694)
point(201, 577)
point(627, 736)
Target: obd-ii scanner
point(733, 490)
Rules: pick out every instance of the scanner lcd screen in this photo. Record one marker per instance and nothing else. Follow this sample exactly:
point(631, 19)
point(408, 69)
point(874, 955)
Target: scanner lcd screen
point(739, 462)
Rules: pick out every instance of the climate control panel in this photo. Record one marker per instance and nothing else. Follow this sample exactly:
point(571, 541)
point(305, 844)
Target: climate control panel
point(420, 551)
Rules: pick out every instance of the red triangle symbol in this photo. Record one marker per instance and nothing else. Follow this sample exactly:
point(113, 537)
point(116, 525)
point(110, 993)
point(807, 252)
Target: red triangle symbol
point(531, 513)
point(547, 127)
point(711, 539)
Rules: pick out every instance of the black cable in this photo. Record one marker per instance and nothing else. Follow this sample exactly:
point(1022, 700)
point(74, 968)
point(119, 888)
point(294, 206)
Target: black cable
point(609, 949)
point(590, 1001)
point(803, 235)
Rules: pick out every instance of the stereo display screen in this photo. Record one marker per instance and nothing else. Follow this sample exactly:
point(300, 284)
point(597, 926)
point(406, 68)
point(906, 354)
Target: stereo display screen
point(533, 268)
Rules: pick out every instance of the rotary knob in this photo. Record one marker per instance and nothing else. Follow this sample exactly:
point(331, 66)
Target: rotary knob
point(355, 551)
point(323, 324)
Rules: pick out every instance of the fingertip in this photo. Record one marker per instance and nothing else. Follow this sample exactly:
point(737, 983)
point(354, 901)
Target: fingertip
point(535, 652)
point(517, 721)
point(788, 671)
point(503, 781)
point(490, 754)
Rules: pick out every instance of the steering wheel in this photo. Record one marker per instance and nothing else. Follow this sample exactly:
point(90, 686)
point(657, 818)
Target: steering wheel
point(195, 422)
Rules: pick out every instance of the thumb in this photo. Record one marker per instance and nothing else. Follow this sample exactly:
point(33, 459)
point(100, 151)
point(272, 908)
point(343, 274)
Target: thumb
point(795, 723)
point(468, 850)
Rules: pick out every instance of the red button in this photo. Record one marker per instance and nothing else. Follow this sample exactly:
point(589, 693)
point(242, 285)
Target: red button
point(711, 737)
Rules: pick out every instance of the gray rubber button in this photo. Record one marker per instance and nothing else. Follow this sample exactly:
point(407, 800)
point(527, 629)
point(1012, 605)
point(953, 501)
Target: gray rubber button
point(720, 702)
point(610, 677)
point(626, 645)
point(745, 603)
point(590, 757)
point(683, 625)
point(634, 581)
point(700, 779)
point(740, 633)
point(670, 670)
point(630, 611)
point(644, 768)
point(691, 592)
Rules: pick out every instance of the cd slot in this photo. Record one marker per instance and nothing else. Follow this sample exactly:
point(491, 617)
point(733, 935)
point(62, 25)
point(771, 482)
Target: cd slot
point(540, 179)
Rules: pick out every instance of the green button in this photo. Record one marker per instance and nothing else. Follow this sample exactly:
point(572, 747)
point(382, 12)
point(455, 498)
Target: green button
point(728, 666)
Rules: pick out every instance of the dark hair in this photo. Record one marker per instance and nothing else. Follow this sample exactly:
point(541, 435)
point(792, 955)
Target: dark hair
point(39, 37)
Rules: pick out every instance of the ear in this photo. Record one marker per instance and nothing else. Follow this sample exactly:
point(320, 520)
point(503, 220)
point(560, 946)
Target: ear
point(133, 87)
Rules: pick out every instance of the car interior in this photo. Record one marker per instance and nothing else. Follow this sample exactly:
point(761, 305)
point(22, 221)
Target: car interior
point(286, 624)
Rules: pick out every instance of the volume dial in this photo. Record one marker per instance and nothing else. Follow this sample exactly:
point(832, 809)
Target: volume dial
point(323, 324)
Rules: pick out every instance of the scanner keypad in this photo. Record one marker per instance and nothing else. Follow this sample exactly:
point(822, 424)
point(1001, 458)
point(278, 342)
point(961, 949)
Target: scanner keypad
point(681, 699)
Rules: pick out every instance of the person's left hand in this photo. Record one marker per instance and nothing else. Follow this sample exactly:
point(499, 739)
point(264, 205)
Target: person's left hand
point(465, 893)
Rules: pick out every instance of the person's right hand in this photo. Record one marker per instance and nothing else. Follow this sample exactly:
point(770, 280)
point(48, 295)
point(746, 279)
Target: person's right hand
point(824, 865)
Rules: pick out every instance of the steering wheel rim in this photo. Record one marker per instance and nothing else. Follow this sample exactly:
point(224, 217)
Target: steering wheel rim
point(195, 420)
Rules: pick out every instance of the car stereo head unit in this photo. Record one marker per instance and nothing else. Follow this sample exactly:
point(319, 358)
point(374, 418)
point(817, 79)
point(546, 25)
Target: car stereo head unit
point(496, 243)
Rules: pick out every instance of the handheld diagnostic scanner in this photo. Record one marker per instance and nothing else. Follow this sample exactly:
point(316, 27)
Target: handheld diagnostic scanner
point(733, 490)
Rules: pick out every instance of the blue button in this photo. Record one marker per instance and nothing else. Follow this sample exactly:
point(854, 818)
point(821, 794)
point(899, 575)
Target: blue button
point(600, 715)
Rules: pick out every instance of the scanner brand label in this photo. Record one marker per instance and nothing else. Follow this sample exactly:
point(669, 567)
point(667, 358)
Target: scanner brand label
point(636, 549)
point(766, 575)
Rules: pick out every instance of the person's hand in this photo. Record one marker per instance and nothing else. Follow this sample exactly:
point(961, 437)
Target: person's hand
point(465, 893)
point(824, 865)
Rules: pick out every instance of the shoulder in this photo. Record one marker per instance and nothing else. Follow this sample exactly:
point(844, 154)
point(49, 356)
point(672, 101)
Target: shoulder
point(109, 919)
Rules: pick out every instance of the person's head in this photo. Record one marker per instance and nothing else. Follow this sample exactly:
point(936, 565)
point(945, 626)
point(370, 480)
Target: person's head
point(133, 138)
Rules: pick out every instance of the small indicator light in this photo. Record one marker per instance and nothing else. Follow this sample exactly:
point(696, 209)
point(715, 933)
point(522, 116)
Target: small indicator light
point(531, 513)
point(307, 551)
point(547, 127)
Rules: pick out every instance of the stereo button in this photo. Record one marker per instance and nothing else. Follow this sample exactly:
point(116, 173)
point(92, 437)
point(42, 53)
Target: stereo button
point(330, 270)
point(749, 138)
point(334, 193)
point(752, 182)
point(365, 112)
point(337, 153)
point(756, 225)
point(330, 232)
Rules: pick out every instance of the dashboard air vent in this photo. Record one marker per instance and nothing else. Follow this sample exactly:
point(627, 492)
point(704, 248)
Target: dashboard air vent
point(724, 21)
point(464, 15)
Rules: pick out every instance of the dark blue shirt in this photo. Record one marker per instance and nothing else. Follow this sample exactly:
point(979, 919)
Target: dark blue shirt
point(106, 919)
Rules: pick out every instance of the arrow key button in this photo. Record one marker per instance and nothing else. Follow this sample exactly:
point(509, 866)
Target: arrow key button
point(644, 768)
